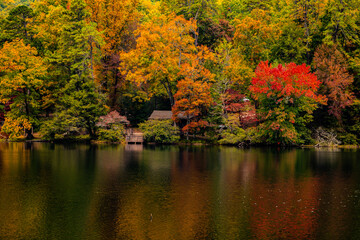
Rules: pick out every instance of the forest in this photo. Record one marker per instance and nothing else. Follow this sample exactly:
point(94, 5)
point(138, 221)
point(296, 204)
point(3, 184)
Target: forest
point(282, 72)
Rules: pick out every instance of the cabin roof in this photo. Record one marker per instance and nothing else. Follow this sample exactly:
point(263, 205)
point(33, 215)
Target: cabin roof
point(166, 114)
point(160, 115)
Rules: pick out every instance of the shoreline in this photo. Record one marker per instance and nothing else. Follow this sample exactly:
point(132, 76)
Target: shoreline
point(99, 142)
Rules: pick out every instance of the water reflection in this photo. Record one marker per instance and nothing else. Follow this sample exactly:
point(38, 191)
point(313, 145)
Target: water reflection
point(50, 191)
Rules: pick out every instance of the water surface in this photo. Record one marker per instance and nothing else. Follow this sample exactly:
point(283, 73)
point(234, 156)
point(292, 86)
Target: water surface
point(50, 191)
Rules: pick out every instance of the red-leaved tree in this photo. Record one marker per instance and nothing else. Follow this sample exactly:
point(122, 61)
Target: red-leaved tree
point(286, 96)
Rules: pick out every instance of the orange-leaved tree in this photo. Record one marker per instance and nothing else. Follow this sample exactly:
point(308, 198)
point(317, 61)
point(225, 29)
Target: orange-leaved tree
point(193, 97)
point(286, 98)
point(163, 45)
point(21, 81)
point(331, 69)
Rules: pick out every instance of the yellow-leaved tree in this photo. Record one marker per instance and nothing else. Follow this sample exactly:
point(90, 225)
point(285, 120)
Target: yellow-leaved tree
point(21, 80)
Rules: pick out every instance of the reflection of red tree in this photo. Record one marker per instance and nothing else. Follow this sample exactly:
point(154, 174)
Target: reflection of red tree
point(284, 210)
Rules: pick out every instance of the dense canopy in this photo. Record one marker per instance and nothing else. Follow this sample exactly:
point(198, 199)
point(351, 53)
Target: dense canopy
point(65, 63)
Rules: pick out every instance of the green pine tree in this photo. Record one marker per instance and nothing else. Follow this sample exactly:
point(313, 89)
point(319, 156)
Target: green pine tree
point(79, 104)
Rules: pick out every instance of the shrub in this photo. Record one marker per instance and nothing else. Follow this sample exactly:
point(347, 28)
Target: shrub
point(233, 137)
point(115, 134)
point(239, 136)
point(348, 138)
point(160, 131)
point(60, 126)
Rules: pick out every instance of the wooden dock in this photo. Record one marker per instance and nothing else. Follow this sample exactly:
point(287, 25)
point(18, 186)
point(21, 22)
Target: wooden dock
point(134, 137)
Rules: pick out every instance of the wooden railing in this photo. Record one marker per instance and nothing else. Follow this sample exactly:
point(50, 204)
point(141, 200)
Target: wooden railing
point(135, 138)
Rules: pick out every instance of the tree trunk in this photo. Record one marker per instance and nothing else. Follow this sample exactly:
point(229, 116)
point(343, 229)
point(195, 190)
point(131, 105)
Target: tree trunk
point(187, 123)
point(170, 94)
point(307, 33)
point(91, 131)
point(113, 100)
point(28, 132)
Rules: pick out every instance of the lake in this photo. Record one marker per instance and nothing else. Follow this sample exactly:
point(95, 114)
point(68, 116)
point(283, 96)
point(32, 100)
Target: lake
point(53, 191)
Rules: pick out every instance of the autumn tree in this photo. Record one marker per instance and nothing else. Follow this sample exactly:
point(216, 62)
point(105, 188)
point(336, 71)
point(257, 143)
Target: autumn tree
point(212, 32)
point(234, 67)
point(331, 70)
point(254, 36)
point(51, 17)
point(162, 47)
point(286, 97)
point(200, 11)
point(21, 81)
point(193, 97)
point(233, 74)
point(116, 21)
point(253, 39)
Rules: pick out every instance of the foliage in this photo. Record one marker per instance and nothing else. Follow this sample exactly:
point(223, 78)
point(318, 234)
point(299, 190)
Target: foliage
point(211, 33)
point(111, 119)
point(111, 127)
point(253, 36)
point(234, 72)
point(290, 46)
point(348, 138)
point(15, 127)
point(60, 124)
point(351, 122)
point(193, 98)
point(331, 70)
point(19, 24)
point(233, 136)
point(340, 22)
point(22, 81)
point(115, 134)
point(163, 45)
point(80, 102)
point(116, 23)
point(160, 131)
point(86, 57)
point(287, 98)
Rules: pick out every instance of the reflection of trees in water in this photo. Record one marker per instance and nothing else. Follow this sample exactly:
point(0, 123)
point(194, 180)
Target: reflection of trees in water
point(109, 192)
point(285, 209)
point(49, 191)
